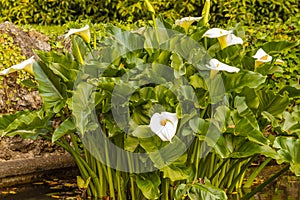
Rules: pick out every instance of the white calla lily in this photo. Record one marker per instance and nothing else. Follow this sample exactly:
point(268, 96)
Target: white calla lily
point(186, 22)
point(164, 125)
point(225, 38)
point(262, 57)
point(232, 39)
point(215, 64)
point(83, 32)
point(216, 33)
point(25, 65)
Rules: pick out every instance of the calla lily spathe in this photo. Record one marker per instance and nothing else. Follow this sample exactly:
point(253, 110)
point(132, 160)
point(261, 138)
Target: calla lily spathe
point(164, 125)
point(225, 38)
point(186, 22)
point(83, 32)
point(25, 65)
point(262, 57)
point(215, 64)
point(216, 33)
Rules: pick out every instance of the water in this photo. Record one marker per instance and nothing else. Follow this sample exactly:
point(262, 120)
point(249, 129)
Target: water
point(284, 188)
point(27, 192)
point(42, 190)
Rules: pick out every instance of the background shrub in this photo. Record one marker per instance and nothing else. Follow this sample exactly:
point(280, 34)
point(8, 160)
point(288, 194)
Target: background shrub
point(61, 11)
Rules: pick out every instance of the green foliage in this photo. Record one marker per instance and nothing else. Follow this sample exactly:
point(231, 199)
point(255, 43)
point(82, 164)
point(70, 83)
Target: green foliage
point(289, 150)
point(10, 53)
point(222, 11)
point(198, 190)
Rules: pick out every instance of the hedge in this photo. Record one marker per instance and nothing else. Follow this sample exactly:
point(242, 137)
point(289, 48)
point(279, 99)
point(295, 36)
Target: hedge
point(58, 12)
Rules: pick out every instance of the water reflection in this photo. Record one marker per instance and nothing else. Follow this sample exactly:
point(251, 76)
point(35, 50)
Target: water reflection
point(284, 188)
point(287, 188)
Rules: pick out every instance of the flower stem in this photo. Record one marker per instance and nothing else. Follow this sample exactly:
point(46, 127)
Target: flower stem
point(165, 189)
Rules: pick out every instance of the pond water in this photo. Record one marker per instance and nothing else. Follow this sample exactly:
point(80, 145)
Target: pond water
point(47, 189)
point(284, 188)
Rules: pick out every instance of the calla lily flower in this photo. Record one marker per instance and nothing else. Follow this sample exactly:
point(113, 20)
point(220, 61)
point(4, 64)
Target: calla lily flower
point(225, 38)
point(214, 64)
point(83, 32)
point(216, 33)
point(186, 22)
point(25, 65)
point(164, 125)
point(262, 57)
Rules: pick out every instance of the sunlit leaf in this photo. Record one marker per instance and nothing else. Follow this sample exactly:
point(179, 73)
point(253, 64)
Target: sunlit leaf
point(237, 81)
point(65, 127)
point(51, 87)
point(289, 150)
point(278, 47)
point(149, 183)
point(274, 104)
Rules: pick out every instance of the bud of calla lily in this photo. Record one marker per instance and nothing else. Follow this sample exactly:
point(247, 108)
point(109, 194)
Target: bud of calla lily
point(164, 125)
point(225, 38)
point(82, 32)
point(205, 11)
point(262, 57)
point(150, 7)
point(25, 65)
point(186, 22)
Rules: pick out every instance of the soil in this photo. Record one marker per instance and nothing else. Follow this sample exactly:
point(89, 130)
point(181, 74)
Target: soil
point(16, 148)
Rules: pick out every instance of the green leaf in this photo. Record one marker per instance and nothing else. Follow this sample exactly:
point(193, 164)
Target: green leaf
point(196, 191)
point(29, 125)
point(251, 97)
point(79, 49)
point(7, 119)
point(82, 184)
point(241, 147)
point(64, 128)
point(149, 183)
point(177, 65)
point(83, 106)
point(206, 191)
point(51, 88)
point(245, 122)
point(163, 153)
point(292, 91)
point(197, 82)
point(130, 143)
point(176, 172)
point(142, 131)
point(237, 81)
point(274, 104)
point(291, 123)
point(62, 65)
point(29, 83)
point(181, 191)
point(289, 151)
point(278, 47)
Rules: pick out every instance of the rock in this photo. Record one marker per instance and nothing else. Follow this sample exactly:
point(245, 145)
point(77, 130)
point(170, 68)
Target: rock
point(28, 41)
